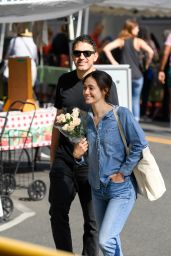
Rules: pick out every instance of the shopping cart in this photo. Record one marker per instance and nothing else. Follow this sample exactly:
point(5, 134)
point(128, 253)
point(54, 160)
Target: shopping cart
point(7, 183)
point(6, 208)
point(18, 160)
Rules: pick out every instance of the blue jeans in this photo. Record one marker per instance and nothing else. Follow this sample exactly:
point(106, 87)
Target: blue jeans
point(112, 204)
point(137, 85)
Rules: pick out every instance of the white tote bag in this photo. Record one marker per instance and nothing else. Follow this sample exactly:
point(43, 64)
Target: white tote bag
point(148, 176)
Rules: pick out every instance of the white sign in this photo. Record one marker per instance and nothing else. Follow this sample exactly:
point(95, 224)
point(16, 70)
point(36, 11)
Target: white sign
point(121, 76)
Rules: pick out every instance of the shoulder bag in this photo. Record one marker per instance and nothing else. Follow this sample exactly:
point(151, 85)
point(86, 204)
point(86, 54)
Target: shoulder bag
point(147, 174)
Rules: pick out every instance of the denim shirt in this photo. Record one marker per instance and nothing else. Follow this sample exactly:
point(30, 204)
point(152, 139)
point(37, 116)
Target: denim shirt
point(107, 153)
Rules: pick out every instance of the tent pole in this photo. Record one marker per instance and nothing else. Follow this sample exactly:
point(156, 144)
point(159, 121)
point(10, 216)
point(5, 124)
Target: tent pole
point(86, 19)
point(41, 56)
point(79, 23)
point(71, 38)
point(71, 27)
point(2, 36)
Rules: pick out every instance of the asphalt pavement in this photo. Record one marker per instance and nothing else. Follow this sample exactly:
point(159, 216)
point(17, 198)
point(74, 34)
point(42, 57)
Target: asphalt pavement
point(147, 231)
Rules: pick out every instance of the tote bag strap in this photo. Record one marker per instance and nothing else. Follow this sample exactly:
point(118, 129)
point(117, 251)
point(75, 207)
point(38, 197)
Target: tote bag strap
point(121, 130)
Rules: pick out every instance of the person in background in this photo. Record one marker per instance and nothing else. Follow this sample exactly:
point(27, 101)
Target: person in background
point(60, 48)
point(131, 46)
point(155, 40)
point(113, 186)
point(102, 56)
point(23, 46)
point(66, 176)
point(96, 34)
point(48, 48)
point(150, 74)
point(162, 75)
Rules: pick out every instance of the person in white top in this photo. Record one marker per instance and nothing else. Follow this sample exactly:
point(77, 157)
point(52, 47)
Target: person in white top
point(24, 46)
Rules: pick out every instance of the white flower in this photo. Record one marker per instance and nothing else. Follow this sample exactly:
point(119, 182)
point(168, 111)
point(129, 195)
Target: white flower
point(71, 127)
point(61, 118)
point(68, 116)
point(75, 112)
point(76, 121)
point(65, 127)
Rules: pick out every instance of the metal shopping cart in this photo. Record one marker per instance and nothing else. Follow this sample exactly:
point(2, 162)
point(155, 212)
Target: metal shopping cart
point(18, 159)
point(6, 203)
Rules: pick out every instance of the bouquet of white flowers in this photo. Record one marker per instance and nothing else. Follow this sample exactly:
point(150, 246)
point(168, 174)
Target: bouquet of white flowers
point(71, 125)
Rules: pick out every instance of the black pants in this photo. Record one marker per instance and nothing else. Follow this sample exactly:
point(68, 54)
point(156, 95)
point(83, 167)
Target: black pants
point(63, 188)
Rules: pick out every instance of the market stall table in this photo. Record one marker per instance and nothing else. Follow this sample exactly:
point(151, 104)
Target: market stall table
point(21, 132)
point(18, 122)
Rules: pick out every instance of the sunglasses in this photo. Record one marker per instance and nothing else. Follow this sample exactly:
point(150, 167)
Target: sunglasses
point(85, 53)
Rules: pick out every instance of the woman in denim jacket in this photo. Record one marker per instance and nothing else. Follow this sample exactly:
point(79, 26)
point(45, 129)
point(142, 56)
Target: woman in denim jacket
point(110, 169)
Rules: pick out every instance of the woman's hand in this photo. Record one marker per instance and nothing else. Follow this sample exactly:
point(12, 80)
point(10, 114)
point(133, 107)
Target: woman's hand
point(80, 148)
point(117, 177)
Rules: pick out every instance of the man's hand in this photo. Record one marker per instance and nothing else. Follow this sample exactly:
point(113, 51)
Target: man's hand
point(161, 77)
point(80, 148)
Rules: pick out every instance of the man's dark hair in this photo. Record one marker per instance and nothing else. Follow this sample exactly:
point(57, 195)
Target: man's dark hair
point(84, 38)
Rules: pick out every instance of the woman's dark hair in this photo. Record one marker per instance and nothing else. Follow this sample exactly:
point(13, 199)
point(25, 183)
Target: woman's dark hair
point(103, 80)
point(86, 39)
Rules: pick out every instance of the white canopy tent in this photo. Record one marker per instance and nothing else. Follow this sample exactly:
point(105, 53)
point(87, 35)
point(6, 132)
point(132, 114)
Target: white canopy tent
point(33, 10)
point(145, 7)
point(12, 11)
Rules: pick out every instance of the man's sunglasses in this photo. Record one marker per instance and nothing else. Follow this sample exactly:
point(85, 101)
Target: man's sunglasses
point(85, 53)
